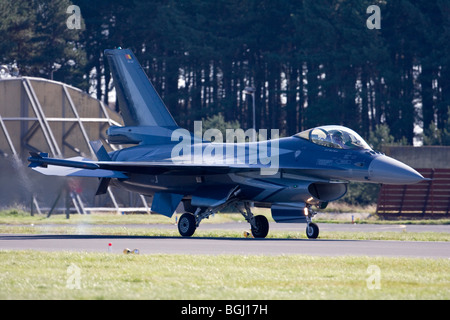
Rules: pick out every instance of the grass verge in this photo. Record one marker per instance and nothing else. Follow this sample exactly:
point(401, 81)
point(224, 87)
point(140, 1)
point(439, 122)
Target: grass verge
point(43, 275)
point(18, 221)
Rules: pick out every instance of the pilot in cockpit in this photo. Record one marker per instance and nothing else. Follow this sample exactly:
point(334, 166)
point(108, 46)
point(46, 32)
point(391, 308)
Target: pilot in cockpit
point(337, 139)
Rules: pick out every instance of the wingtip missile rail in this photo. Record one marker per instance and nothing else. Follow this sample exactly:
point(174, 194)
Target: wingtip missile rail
point(42, 160)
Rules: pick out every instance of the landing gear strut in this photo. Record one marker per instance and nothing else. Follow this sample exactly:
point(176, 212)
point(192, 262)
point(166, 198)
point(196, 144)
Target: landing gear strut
point(259, 224)
point(188, 222)
point(312, 230)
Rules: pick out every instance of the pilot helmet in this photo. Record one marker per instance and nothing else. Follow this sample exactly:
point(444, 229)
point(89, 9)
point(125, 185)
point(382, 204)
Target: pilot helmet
point(337, 135)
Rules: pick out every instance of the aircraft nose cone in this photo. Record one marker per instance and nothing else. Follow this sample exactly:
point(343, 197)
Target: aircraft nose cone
point(386, 170)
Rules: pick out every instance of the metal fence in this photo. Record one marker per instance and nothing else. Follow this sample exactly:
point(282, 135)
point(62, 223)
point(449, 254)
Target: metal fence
point(428, 199)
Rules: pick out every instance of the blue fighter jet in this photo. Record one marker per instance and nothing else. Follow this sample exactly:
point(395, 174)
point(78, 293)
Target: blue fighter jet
point(289, 175)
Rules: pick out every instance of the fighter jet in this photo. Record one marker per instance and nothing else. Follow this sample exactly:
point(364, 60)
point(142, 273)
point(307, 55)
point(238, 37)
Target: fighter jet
point(204, 174)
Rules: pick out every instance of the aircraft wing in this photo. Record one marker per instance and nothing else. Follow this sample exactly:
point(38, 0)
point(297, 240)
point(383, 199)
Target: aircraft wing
point(71, 167)
point(159, 167)
point(52, 170)
point(82, 167)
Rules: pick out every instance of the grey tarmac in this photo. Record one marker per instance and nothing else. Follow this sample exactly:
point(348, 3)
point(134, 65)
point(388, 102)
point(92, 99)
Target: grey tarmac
point(217, 246)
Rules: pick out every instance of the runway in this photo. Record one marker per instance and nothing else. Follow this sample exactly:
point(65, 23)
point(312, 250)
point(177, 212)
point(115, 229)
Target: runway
point(333, 227)
point(216, 246)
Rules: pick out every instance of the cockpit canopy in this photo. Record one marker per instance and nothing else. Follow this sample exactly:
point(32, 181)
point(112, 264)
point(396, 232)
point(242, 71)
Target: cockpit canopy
point(337, 137)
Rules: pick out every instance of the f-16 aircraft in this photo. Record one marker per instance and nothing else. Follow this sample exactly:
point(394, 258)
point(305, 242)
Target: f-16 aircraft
point(290, 175)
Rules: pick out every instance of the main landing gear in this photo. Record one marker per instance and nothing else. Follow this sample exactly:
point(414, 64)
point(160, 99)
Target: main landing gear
point(188, 222)
point(259, 224)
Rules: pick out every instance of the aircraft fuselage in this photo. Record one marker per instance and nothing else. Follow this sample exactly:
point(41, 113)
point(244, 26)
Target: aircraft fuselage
point(300, 164)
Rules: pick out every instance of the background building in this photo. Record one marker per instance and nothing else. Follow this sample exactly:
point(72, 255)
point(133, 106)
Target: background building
point(47, 116)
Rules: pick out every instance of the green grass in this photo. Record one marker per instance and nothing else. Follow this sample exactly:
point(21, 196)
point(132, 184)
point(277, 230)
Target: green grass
point(43, 275)
point(16, 216)
point(17, 221)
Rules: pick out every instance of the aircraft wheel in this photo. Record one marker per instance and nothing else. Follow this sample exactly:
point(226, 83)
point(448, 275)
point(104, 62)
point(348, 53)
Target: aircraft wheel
point(187, 224)
point(312, 231)
point(261, 228)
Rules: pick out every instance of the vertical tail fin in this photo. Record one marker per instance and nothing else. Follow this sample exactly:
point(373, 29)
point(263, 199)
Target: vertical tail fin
point(139, 102)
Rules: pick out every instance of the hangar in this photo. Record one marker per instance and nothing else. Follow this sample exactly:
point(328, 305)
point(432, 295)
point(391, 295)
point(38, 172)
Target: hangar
point(42, 115)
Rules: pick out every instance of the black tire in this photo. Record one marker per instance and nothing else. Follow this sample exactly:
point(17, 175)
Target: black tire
point(187, 224)
point(312, 231)
point(261, 228)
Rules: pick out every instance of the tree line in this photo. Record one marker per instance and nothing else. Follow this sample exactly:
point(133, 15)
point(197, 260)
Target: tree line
point(311, 62)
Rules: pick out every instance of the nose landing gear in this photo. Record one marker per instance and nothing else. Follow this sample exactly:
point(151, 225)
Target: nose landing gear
point(312, 230)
